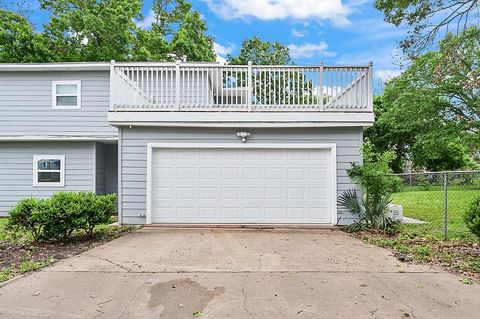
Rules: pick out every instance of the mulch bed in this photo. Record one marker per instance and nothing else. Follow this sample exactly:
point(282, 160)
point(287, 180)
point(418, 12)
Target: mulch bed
point(12, 254)
point(460, 257)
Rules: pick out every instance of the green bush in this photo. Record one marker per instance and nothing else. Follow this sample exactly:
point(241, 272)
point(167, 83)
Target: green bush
point(375, 178)
point(59, 216)
point(63, 215)
point(24, 216)
point(472, 217)
point(97, 209)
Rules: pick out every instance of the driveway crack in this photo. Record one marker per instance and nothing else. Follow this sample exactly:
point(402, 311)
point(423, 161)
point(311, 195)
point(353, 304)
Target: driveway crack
point(111, 262)
point(396, 294)
point(245, 296)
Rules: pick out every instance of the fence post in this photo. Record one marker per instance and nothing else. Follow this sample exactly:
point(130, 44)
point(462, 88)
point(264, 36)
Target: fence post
point(320, 89)
point(445, 202)
point(113, 89)
point(177, 86)
point(370, 86)
point(249, 86)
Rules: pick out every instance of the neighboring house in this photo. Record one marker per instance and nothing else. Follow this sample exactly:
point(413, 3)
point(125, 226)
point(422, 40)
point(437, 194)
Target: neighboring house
point(186, 143)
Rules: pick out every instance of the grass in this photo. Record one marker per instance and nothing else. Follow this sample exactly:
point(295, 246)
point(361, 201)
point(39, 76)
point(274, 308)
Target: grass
point(462, 257)
point(19, 254)
point(26, 266)
point(427, 205)
point(423, 243)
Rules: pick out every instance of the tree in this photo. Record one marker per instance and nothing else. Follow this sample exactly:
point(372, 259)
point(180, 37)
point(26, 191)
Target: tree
point(431, 112)
point(384, 137)
point(91, 30)
point(176, 32)
point(273, 87)
point(18, 40)
point(261, 52)
point(426, 20)
point(102, 30)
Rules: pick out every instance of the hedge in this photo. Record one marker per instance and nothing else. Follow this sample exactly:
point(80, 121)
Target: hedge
point(58, 217)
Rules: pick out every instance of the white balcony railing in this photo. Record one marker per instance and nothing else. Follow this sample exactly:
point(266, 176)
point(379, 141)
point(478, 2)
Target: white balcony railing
point(213, 87)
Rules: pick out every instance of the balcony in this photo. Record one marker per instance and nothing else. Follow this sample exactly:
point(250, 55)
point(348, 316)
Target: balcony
point(202, 87)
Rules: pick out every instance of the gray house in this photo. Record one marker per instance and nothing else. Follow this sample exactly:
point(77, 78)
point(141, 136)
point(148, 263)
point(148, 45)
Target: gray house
point(186, 143)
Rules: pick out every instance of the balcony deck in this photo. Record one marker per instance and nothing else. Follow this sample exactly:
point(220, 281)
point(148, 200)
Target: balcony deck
point(209, 87)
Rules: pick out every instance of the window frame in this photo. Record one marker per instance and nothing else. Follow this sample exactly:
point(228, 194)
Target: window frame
point(78, 83)
point(36, 159)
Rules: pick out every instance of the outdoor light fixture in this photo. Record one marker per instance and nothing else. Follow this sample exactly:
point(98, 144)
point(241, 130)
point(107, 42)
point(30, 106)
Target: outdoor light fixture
point(243, 136)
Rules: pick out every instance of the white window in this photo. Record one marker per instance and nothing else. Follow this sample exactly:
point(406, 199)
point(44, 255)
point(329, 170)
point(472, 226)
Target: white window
point(66, 95)
point(49, 170)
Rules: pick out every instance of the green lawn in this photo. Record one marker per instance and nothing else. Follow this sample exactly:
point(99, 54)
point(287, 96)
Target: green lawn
point(427, 205)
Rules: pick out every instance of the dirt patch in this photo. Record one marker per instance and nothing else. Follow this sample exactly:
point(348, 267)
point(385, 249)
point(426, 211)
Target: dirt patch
point(460, 257)
point(13, 254)
point(181, 298)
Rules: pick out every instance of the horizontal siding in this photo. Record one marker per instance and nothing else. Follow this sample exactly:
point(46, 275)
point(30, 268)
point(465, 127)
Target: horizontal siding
point(111, 168)
point(26, 104)
point(100, 170)
point(134, 158)
point(16, 169)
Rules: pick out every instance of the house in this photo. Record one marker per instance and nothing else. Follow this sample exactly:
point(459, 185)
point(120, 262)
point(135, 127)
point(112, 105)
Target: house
point(186, 143)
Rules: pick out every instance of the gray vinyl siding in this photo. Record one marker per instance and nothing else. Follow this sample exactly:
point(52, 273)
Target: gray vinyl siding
point(26, 105)
point(134, 156)
point(111, 168)
point(16, 169)
point(106, 168)
point(100, 171)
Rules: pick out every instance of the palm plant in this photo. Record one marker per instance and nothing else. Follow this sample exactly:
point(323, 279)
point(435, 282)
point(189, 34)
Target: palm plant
point(371, 214)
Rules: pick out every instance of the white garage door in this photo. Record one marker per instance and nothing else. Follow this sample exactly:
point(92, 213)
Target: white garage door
point(241, 185)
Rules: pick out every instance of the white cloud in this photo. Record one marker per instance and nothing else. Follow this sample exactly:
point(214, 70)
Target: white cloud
point(147, 21)
point(387, 74)
point(310, 50)
point(333, 10)
point(221, 51)
point(299, 33)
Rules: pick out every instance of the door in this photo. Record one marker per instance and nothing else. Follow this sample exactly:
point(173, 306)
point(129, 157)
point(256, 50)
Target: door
point(242, 185)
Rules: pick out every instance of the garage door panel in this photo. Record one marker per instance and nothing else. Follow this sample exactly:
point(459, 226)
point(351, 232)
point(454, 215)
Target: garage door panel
point(203, 185)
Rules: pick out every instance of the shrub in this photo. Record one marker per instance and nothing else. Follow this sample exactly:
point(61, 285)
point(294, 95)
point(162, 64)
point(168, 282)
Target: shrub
point(472, 217)
point(97, 209)
point(63, 215)
point(59, 216)
point(25, 216)
point(375, 179)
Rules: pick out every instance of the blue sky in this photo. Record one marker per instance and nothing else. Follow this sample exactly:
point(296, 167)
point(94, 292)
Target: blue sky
point(338, 32)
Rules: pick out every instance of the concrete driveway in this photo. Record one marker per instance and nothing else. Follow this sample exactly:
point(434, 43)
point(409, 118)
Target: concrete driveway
point(195, 273)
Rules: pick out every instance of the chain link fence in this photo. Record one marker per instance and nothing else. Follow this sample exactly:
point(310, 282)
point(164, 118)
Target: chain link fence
point(433, 203)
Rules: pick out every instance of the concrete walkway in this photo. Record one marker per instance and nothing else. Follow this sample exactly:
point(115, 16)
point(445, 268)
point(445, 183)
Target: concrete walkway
point(179, 273)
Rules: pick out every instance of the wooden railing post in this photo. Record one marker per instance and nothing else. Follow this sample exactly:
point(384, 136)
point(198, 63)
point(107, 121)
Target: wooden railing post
point(177, 86)
point(320, 89)
point(112, 85)
point(370, 87)
point(249, 86)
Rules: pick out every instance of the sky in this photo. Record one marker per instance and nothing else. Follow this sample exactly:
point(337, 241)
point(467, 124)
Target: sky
point(335, 32)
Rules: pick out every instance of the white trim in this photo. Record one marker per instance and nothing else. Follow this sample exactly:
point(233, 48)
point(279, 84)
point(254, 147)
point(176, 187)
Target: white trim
point(78, 95)
point(92, 66)
point(104, 66)
point(95, 168)
point(223, 119)
point(37, 158)
point(149, 182)
point(333, 171)
point(241, 124)
point(119, 178)
point(57, 138)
